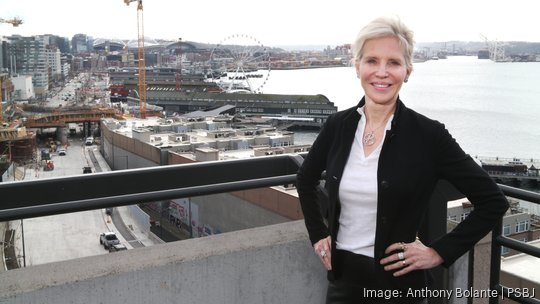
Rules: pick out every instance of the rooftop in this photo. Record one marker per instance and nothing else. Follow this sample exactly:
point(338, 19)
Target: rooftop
point(523, 265)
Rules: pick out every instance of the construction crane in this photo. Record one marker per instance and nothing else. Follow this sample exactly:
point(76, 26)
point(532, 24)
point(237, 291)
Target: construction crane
point(15, 22)
point(495, 48)
point(140, 58)
point(1, 109)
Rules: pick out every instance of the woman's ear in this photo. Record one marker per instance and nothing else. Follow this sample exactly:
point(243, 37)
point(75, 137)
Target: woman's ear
point(409, 71)
point(357, 68)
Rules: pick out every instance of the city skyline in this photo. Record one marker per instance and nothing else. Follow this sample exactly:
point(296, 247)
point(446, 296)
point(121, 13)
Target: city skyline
point(277, 23)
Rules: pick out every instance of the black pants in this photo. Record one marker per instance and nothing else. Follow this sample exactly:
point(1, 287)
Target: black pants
point(357, 283)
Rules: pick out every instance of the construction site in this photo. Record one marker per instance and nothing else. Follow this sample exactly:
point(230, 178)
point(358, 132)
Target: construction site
point(31, 131)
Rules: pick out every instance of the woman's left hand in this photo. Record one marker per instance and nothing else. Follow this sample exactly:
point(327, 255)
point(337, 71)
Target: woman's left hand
point(409, 257)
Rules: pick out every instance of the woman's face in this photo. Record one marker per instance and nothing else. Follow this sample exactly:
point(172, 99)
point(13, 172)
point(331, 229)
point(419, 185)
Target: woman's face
point(382, 70)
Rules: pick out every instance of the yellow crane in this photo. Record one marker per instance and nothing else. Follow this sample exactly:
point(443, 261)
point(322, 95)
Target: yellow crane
point(140, 58)
point(15, 22)
point(1, 109)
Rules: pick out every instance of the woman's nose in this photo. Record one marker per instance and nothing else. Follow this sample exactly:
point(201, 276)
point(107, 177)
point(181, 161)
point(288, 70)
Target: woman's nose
point(381, 71)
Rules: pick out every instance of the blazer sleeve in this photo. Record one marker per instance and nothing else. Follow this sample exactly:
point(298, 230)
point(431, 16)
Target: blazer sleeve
point(308, 178)
point(490, 204)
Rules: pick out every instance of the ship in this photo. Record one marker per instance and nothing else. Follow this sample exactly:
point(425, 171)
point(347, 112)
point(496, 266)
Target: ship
point(513, 168)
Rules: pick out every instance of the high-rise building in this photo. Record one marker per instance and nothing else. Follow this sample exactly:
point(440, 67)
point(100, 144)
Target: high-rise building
point(79, 44)
point(61, 42)
point(53, 61)
point(27, 56)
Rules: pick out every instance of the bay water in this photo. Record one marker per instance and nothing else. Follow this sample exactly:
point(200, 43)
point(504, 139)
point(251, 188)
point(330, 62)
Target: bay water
point(492, 109)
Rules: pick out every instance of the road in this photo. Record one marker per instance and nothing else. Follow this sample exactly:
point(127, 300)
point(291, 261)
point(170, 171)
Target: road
point(66, 236)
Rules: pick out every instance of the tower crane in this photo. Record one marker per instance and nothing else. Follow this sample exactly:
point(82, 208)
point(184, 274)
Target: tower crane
point(1, 109)
point(15, 22)
point(140, 58)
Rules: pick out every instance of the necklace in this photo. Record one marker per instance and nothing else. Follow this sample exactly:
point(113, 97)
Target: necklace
point(369, 138)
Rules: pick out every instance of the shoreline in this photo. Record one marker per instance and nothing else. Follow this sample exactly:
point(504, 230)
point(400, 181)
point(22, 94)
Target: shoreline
point(310, 67)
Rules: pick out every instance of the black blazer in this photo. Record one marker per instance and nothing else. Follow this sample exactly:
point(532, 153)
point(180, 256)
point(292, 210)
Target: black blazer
point(416, 153)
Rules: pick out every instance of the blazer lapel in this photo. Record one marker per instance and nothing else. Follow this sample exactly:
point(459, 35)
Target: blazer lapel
point(350, 123)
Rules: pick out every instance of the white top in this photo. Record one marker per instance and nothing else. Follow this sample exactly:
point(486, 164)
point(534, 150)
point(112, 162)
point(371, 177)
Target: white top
point(358, 195)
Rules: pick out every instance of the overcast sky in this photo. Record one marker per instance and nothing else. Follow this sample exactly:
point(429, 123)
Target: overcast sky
point(275, 22)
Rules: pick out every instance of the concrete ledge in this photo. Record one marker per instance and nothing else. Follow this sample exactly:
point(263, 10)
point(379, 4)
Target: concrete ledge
point(272, 264)
point(3, 228)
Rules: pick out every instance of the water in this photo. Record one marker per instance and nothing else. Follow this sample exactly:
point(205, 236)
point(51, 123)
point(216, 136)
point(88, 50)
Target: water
point(492, 109)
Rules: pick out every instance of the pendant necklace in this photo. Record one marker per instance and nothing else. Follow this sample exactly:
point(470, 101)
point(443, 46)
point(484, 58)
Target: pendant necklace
point(369, 138)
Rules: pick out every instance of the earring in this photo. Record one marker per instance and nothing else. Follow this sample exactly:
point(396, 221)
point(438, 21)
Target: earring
point(406, 80)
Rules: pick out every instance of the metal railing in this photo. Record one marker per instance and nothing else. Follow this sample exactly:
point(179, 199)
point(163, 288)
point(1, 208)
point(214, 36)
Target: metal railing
point(27, 199)
point(498, 240)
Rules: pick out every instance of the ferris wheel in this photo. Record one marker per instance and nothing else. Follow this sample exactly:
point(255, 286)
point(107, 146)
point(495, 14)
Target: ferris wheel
point(239, 63)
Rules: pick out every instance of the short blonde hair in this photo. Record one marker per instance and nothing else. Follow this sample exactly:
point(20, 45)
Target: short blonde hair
point(385, 27)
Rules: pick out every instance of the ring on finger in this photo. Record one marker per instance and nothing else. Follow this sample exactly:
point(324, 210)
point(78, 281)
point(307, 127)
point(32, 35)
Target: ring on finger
point(403, 262)
point(401, 255)
point(403, 246)
point(322, 253)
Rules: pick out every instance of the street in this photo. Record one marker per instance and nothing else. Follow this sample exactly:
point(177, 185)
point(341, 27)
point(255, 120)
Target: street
point(65, 236)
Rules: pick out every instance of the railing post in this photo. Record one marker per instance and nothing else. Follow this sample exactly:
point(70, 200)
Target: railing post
point(495, 269)
point(434, 226)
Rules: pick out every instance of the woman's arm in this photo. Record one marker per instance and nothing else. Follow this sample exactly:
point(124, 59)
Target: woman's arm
point(308, 178)
point(489, 202)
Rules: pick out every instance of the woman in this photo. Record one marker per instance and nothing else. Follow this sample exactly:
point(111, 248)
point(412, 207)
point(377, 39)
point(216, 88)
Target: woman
point(382, 162)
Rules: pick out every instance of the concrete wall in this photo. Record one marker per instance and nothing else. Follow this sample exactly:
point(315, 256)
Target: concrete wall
point(118, 158)
point(519, 282)
point(225, 213)
point(273, 264)
point(276, 199)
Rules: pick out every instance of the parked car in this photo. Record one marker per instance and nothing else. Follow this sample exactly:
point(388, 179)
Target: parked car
point(117, 247)
point(45, 154)
point(108, 239)
point(89, 141)
point(87, 170)
point(61, 151)
point(109, 211)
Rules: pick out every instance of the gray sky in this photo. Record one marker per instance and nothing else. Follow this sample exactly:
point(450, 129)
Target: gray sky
point(276, 22)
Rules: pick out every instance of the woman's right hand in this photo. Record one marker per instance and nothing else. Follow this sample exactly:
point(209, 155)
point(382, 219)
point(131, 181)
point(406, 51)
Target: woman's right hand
point(323, 251)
